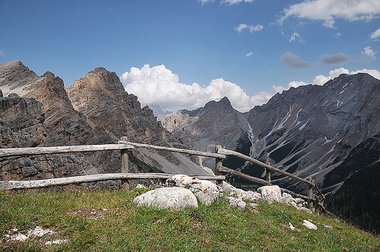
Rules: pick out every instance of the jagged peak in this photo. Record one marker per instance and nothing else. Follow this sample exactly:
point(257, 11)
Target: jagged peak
point(99, 79)
point(12, 64)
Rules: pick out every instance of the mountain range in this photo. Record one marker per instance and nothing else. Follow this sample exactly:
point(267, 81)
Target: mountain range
point(330, 133)
point(41, 111)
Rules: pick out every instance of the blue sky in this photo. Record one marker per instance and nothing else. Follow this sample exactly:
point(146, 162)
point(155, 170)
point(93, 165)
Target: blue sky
point(183, 53)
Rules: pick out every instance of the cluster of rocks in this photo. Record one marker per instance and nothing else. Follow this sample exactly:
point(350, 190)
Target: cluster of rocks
point(182, 191)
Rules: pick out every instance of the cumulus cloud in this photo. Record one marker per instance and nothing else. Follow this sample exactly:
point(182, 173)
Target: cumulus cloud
point(159, 85)
point(294, 84)
point(251, 28)
point(322, 79)
point(335, 58)
point(368, 52)
point(329, 10)
point(293, 61)
point(375, 35)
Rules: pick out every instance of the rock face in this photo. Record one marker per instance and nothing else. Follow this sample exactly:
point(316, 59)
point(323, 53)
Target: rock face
point(38, 111)
point(217, 123)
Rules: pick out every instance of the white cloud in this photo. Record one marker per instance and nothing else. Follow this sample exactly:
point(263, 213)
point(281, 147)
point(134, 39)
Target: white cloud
point(240, 27)
point(206, 1)
point(329, 10)
point(251, 28)
point(296, 36)
point(249, 54)
point(375, 35)
point(231, 2)
point(369, 52)
point(294, 84)
point(321, 79)
point(159, 85)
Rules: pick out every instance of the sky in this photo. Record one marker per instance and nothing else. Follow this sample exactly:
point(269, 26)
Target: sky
point(180, 54)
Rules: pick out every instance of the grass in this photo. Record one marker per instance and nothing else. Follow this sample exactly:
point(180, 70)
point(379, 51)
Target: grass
point(103, 220)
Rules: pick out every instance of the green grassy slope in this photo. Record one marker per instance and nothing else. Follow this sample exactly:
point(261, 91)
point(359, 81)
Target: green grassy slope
point(109, 221)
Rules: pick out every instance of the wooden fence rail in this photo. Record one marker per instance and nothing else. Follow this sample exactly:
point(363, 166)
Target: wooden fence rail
point(124, 146)
point(309, 182)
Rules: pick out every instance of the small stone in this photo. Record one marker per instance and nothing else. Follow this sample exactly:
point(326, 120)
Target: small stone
point(309, 225)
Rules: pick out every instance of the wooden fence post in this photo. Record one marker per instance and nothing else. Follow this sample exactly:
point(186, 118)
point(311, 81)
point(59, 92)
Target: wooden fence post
point(267, 176)
point(310, 193)
point(124, 157)
point(267, 172)
point(218, 164)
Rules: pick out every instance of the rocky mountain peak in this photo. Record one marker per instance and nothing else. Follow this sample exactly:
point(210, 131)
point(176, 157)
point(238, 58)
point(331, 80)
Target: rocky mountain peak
point(40, 111)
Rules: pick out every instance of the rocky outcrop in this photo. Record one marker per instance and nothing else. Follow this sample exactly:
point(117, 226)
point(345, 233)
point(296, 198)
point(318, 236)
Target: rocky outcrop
point(113, 113)
point(38, 111)
point(184, 191)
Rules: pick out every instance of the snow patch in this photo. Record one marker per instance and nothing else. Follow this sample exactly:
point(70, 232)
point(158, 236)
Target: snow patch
point(303, 125)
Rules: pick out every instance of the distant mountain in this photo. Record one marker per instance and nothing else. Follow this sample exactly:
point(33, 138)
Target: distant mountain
point(40, 111)
point(311, 131)
point(217, 123)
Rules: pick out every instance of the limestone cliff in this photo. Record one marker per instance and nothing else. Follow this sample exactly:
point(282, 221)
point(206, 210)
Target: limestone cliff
point(37, 111)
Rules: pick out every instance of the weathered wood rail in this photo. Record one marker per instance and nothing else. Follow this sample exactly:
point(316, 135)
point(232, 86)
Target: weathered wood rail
point(124, 146)
point(268, 169)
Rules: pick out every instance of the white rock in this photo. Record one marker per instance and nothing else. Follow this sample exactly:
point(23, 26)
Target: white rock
point(270, 193)
point(251, 196)
point(227, 188)
point(291, 226)
point(140, 186)
point(235, 202)
point(206, 191)
point(286, 198)
point(55, 242)
point(182, 180)
point(309, 225)
point(252, 205)
point(167, 198)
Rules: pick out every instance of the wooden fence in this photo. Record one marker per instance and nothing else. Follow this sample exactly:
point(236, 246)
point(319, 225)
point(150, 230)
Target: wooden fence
point(268, 169)
point(125, 147)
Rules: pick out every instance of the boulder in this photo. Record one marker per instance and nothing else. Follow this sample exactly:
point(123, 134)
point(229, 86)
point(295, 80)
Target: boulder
point(206, 191)
point(270, 193)
point(168, 198)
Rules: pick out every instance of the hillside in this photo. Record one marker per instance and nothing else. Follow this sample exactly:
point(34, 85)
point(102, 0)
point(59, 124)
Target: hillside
point(109, 221)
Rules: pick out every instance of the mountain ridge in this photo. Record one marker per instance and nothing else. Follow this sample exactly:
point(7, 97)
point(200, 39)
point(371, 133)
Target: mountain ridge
point(309, 131)
point(64, 121)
